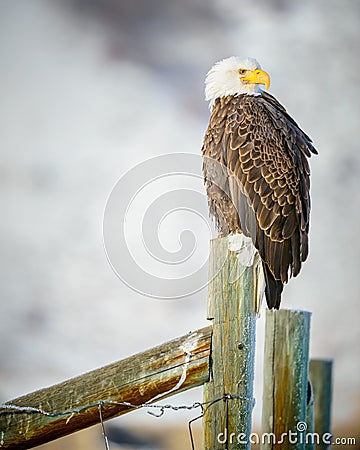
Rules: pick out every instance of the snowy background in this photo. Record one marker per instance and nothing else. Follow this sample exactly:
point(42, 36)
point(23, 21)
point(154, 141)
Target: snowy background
point(88, 90)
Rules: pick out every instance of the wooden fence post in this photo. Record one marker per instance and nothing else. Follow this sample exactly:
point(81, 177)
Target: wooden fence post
point(320, 372)
point(228, 396)
point(310, 443)
point(285, 379)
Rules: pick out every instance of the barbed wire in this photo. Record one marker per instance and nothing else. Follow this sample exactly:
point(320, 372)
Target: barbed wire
point(154, 410)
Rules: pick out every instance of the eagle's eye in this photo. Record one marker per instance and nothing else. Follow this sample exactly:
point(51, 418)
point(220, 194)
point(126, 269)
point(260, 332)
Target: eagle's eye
point(242, 71)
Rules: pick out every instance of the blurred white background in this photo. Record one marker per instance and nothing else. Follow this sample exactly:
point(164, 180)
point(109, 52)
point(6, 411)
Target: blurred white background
point(91, 88)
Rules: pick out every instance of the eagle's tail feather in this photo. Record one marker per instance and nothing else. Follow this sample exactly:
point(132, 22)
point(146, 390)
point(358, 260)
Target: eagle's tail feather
point(273, 288)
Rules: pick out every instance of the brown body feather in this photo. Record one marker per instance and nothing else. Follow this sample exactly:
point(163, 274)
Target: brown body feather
point(257, 180)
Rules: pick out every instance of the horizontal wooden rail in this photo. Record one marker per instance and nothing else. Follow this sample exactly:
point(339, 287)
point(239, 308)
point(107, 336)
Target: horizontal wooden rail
point(73, 405)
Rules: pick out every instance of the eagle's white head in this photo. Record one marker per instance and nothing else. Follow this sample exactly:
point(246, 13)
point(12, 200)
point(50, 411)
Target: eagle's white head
point(234, 76)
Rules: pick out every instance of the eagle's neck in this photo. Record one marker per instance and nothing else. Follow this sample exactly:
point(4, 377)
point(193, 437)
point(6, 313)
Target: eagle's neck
point(212, 95)
point(237, 94)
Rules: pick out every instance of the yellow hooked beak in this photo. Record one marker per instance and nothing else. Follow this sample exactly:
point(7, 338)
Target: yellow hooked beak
point(256, 77)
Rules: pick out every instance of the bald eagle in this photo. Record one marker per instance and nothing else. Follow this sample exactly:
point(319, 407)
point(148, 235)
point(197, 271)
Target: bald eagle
point(256, 170)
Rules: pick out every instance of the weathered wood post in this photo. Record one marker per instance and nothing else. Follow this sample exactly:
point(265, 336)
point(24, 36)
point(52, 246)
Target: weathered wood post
point(320, 372)
point(228, 396)
point(285, 379)
point(310, 443)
